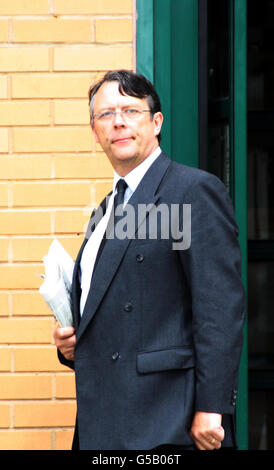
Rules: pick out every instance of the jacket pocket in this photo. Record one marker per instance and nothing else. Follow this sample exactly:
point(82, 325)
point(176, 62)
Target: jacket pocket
point(165, 359)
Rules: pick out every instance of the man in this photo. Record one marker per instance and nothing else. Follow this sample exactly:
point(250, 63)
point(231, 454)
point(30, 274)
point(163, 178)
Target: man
point(157, 330)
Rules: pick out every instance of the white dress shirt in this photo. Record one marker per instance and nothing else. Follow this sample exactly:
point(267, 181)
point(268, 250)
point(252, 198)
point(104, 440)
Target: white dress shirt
point(92, 246)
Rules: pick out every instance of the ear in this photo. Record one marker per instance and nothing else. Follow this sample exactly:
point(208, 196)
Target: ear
point(158, 121)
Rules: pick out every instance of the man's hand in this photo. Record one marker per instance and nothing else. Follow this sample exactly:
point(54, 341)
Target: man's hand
point(206, 430)
point(65, 340)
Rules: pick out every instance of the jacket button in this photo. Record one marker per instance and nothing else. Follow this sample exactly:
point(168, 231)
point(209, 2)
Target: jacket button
point(128, 307)
point(234, 394)
point(115, 356)
point(139, 258)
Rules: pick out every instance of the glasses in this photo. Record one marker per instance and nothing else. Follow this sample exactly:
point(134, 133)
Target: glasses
point(129, 114)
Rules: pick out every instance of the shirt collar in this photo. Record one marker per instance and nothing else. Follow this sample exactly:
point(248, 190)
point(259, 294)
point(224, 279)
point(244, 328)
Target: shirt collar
point(134, 177)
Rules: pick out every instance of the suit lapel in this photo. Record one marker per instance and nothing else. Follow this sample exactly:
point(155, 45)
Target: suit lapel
point(115, 248)
point(76, 288)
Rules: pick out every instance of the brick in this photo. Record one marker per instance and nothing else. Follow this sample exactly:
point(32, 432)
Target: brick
point(82, 166)
point(24, 113)
point(109, 30)
point(44, 414)
point(20, 276)
point(98, 148)
point(102, 188)
point(28, 157)
point(37, 359)
point(3, 86)
point(4, 304)
point(5, 361)
point(71, 112)
point(45, 85)
point(25, 331)
point(4, 140)
point(104, 7)
point(34, 249)
point(4, 249)
point(51, 30)
point(4, 31)
point(19, 387)
point(94, 57)
point(71, 221)
point(29, 304)
point(24, 222)
point(24, 7)
point(64, 439)
point(72, 244)
point(29, 249)
point(22, 167)
point(4, 417)
point(53, 139)
point(24, 59)
point(51, 194)
point(25, 440)
point(65, 386)
point(4, 198)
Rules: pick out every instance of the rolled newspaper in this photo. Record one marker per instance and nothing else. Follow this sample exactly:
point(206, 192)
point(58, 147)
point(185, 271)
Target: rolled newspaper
point(56, 288)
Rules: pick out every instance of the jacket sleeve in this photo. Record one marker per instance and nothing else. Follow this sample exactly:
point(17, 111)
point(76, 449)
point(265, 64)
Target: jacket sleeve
point(212, 266)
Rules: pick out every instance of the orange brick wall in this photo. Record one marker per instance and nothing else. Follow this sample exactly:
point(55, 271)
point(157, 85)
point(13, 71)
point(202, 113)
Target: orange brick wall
point(51, 174)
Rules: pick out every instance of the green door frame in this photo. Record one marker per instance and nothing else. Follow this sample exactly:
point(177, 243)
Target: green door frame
point(240, 192)
point(159, 64)
point(169, 58)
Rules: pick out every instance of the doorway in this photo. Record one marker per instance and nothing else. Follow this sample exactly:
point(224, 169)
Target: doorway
point(260, 105)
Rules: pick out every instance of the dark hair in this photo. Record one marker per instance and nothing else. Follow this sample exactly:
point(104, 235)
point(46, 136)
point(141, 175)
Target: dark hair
point(132, 84)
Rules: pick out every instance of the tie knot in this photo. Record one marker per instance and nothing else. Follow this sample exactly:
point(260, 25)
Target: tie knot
point(121, 186)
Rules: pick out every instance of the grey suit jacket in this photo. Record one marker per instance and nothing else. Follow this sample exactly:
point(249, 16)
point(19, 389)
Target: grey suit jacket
point(161, 332)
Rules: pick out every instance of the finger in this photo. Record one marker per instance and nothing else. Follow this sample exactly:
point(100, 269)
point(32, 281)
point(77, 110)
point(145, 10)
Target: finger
point(67, 347)
point(64, 342)
point(69, 355)
point(202, 444)
point(216, 437)
point(218, 433)
point(68, 344)
point(208, 440)
point(216, 443)
point(61, 333)
point(202, 441)
point(209, 443)
point(66, 331)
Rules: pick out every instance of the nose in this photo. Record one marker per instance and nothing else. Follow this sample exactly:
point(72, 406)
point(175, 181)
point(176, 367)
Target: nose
point(118, 120)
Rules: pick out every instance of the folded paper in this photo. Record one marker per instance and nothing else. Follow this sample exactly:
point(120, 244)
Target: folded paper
point(56, 288)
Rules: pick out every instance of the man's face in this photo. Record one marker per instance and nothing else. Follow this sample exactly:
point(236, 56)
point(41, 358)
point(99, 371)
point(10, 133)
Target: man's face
point(127, 142)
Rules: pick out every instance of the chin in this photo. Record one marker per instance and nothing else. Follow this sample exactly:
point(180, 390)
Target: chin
point(126, 155)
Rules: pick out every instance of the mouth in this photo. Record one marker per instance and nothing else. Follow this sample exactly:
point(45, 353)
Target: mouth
point(122, 140)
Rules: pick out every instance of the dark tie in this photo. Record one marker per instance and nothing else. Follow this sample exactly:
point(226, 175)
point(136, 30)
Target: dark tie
point(121, 187)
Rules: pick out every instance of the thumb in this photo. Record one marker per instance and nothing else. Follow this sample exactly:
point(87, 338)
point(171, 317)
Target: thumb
point(65, 331)
point(219, 433)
